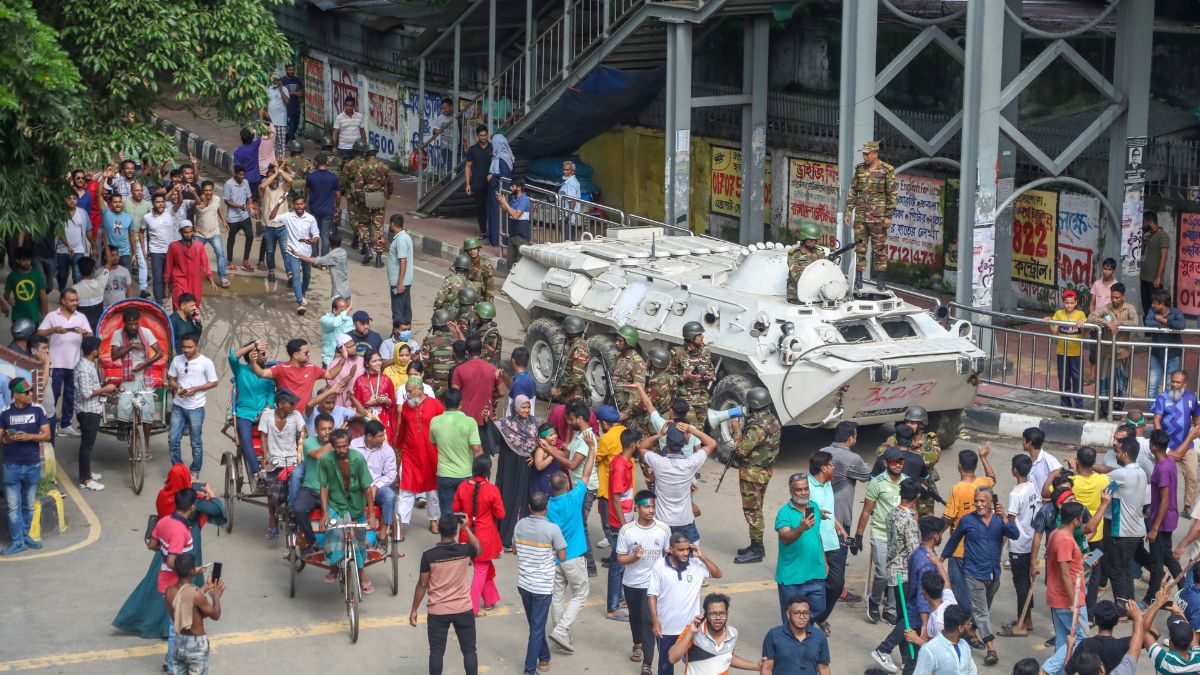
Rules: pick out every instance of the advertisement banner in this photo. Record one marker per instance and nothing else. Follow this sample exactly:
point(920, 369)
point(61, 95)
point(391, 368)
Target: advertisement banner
point(1035, 215)
point(1187, 291)
point(1078, 236)
point(726, 198)
point(812, 197)
point(983, 272)
point(1131, 230)
point(314, 92)
point(915, 236)
point(343, 83)
point(383, 119)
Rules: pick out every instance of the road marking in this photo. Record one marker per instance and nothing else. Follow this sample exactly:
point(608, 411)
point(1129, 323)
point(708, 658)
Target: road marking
point(218, 642)
point(89, 516)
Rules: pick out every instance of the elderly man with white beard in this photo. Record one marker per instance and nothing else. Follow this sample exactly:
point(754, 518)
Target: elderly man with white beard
point(1176, 411)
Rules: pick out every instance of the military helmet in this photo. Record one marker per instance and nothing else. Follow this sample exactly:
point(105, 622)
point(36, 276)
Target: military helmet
point(23, 329)
point(296, 147)
point(630, 334)
point(441, 318)
point(691, 329)
point(360, 145)
point(485, 310)
point(470, 243)
point(372, 149)
point(467, 295)
point(915, 413)
point(573, 325)
point(326, 143)
point(659, 357)
point(462, 262)
point(757, 398)
point(810, 231)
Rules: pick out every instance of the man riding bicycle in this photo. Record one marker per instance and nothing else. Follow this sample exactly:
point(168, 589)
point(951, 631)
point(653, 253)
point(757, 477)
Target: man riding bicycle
point(346, 490)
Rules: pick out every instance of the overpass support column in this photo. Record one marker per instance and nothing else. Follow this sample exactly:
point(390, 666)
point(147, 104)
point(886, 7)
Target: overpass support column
point(754, 130)
point(678, 130)
point(857, 106)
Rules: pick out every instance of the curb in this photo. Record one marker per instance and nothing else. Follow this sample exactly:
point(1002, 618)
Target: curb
point(222, 159)
point(49, 517)
point(1011, 425)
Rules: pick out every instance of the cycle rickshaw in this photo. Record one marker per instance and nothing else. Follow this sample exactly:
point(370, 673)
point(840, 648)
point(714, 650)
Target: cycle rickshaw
point(126, 411)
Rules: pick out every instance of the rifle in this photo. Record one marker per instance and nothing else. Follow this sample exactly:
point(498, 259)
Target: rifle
point(838, 253)
point(728, 463)
point(930, 489)
point(610, 394)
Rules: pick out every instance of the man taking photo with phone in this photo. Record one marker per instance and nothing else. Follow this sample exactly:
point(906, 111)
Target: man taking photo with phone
point(446, 576)
point(710, 640)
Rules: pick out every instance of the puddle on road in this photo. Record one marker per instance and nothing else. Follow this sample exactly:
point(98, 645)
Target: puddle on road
point(241, 285)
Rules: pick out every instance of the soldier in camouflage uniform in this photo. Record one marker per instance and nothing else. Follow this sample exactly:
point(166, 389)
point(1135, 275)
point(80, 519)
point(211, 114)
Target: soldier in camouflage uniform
point(353, 201)
point(628, 369)
point(447, 297)
point(661, 387)
point(872, 201)
point(488, 332)
point(916, 418)
point(437, 352)
point(801, 255)
point(463, 313)
point(372, 176)
point(757, 443)
point(299, 166)
point(572, 381)
point(333, 161)
point(692, 365)
point(480, 273)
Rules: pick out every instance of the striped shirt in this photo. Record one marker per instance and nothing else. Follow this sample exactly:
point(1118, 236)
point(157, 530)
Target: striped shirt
point(87, 381)
point(1168, 662)
point(536, 541)
point(704, 656)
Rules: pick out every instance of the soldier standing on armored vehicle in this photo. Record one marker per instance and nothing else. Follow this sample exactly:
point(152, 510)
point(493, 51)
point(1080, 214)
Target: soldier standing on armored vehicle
point(572, 379)
point(916, 418)
point(480, 272)
point(353, 201)
point(373, 182)
point(872, 201)
point(757, 446)
point(488, 332)
point(437, 351)
point(447, 297)
point(800, 256)
point(629, 369)
point(692, 364)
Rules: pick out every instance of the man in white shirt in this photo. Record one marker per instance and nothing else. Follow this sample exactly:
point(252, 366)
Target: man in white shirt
point(160, 229)
point(1023, 503)
point(640, 546)
point(381, 462)
point(72, 244)
point(673, 475)
point(674, 590)
point(302, 233)
point(191, 375)
point(348, 128)
point(209, 224)
point(277, 98)
point(445, 141)
point(1044, 463)
point(282, 430)
point(570, 191)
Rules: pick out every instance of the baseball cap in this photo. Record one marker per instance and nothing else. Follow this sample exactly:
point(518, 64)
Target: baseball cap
point(892, 454)
point(19, 384)
point(607, 413)
point(1180, 630)
point(1070, 294)
point(286, 395)
point(361, 316)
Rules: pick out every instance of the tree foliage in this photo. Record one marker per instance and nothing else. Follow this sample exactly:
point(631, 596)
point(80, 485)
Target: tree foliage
point(78, 79)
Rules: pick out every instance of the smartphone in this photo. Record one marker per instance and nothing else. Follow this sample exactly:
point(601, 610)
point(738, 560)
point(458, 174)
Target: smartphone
point(462, 517)
point(808, 512)
point(216, 571)
point(150, 523)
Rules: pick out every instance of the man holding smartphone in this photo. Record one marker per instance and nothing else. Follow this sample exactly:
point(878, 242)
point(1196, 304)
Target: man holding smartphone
point(800, 569)
point(709, 640)
point(446, 576)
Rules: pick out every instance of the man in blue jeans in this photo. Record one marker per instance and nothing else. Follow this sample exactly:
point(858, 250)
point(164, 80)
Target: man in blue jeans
point(302, 233)
point(324, 198)
point(800, 567)
point(23, 428)
point(191, 375)
point(538, 542)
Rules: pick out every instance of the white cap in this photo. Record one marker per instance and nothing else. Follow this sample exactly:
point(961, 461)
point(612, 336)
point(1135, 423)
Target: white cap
point(342, 339)
point(184, 223)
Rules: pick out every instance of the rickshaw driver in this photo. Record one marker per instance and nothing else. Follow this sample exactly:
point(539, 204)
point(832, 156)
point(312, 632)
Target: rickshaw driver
point(346, 490)
point(136, 349)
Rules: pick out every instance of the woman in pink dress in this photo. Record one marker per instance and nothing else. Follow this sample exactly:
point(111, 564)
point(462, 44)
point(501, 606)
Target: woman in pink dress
point(375, 392)
point(418, 455)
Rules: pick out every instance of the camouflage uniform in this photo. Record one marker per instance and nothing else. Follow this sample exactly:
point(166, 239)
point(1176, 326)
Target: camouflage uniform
point(333, 162)
point(931, 452)
point(799, 258)
point(493, 344)
point(447, 297)
point(696, 360)
point(346, 178)
point(480, 276)
point(661, 388)
point(465, 318)
point(872, 199)
point(437, 352)
point(756, 455)
point(572, 383)
point(373, 175)
point(630, 368)
point(299, 166)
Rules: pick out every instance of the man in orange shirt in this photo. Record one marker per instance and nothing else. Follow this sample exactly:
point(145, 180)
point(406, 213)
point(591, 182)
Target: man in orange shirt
point(962, 502)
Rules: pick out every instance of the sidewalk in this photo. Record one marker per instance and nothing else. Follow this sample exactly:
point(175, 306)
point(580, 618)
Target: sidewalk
point(213, 142)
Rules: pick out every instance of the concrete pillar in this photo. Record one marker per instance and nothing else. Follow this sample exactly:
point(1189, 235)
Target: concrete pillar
point(754, 128)
point(678, 130)
point(1003, 299)
point(857, 120)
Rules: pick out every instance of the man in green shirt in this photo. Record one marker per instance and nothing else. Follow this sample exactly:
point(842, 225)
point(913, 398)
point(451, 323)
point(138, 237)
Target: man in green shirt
point(800, 567)
point(25, 289)
point(308, 497)
point(456, 435)
point(345, 492)
point(883, 494)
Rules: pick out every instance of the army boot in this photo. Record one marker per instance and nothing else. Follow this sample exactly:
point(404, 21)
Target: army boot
point(753, 555)
point(354, 244)
point(378, 260)
point(881, 280)
point(365, 250)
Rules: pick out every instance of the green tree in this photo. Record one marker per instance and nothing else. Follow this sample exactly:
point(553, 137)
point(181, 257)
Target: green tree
point(78, 80)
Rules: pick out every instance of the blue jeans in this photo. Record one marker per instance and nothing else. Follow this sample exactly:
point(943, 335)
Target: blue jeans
point(245, 430)
point(195, 422)
point(446, 487)
point(62, 383)
point(20, 491)
point(1062, 628)
point(218, 247)
point(63, 261)
point(325, 228)
point(158, 264)
point(272, 237)
point(143, 273)
point(295, 478)
point(616, 571)
point(1068, 380)
point(300, 272)
point(813, 590)
point(1156, 371)
point(385, 499)
point(537, 609)
point(958, 583)
point(690, 529)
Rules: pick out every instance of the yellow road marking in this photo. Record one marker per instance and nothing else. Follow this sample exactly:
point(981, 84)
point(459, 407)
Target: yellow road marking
point(89, 516)
point(218, 642)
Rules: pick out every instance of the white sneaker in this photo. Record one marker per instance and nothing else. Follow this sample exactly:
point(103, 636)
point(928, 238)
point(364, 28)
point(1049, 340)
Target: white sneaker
point(69, 432)
point(96, 475)
point(562, 640)
point(602, 543)
point(92, 485)
point(884, 661)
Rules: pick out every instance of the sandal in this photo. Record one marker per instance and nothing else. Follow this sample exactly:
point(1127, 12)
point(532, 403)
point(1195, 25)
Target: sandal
point(825, 627)
point(636, 654)
point(544, 666)
point(991, 659)
point(224, 283)
point(619, 615)
point(1007, 631)
point(247, 267)
point(368, 588)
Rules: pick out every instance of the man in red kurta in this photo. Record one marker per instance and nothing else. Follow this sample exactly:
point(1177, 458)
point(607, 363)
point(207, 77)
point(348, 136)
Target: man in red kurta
point(418, 455)
point(187, 266)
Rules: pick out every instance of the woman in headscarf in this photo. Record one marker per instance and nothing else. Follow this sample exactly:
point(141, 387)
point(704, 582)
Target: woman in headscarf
point(418, 455)
point(481, 502)
point(375, 392)
point(397, 372)
point(500, 170)
point(144, 612)
point(520, 434)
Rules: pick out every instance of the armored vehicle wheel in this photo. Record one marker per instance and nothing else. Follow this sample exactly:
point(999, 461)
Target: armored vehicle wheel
point(602, 356)
point(730, 392)
point(946, 424)
point(545, 340)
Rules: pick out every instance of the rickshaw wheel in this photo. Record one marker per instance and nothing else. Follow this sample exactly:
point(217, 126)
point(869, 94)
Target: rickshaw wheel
point(137, 455)
point(394, 554)
point(231, 495)
point(352, 597)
